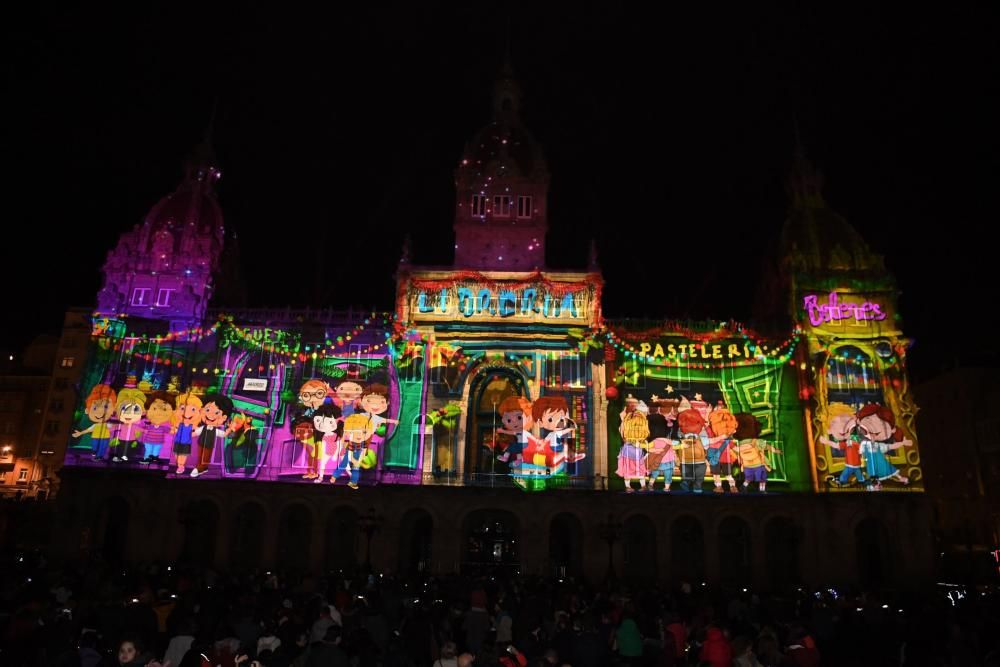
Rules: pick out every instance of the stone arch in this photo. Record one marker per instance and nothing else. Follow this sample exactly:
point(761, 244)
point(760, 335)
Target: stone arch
point(112, 528)
point(735, 551)
point(566, 545)
point(249, 523)
point(486, 388)
point(416, 541)
point(200, 521)
point(687, 549)
point(295, 524)
point(639, 548)
point(782, 546)
point(342, 537)
point(490, 539)
point(872, 553)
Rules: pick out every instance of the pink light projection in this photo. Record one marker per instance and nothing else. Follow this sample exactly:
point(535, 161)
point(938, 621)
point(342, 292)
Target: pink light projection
point(834, 310)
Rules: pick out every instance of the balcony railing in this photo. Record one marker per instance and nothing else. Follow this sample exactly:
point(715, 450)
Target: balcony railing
point(506, 481)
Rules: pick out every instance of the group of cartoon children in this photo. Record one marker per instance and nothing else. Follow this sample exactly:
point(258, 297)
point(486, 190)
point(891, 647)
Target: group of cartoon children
point(342, 423)
point(545, 452)
point(697, 437)
point(124, 430)
point(864, 437)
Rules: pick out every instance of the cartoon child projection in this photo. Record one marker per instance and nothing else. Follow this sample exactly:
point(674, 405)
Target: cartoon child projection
point(634, 430)
point(241, 451)
point(347, 396)
point(358, 430)
point(515, 414)
point(551, 413)
point(879, 436)
point(157, 426)
point(100, 406)
point(663, 434)
point(751, 451)
point(844, 436)
point(312, 394)
point(375, 403)
point(326, 423)
point(722, 454)
point(693, 446)
point(214, 414)
point(185, 419)
point(131, 405)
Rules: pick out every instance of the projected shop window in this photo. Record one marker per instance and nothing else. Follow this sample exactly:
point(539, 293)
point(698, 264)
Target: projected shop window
point(852, 377)
point(569, 371)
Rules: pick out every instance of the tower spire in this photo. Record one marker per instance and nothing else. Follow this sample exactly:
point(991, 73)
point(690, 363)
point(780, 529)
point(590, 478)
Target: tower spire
point(805, 181)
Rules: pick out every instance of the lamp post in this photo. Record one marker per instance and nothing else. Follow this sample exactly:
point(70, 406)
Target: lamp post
point(610, 531)
point(369, 523)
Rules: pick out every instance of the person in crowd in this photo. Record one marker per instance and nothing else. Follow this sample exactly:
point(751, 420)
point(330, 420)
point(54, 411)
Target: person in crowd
point(131, 653)
point(716, 650)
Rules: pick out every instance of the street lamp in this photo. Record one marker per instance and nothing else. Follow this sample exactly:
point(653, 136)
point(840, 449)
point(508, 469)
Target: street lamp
point(369, 524)
point(611, 532)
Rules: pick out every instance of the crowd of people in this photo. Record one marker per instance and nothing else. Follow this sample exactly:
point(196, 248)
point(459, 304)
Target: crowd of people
point(96, 614)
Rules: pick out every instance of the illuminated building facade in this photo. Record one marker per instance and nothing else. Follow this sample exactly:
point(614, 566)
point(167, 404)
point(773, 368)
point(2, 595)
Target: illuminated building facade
point(494, 377)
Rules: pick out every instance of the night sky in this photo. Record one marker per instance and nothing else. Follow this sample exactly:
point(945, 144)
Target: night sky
point(668, 138)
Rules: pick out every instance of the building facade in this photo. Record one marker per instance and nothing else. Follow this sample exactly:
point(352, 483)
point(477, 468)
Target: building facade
point(494, 418)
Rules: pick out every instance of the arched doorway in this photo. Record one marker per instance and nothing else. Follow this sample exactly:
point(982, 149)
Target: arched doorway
point(640, 548)
point(417, 536)
point(735, 559)
point(490, 542)
point(113, 528)
point(872, 549)
point(294, 538)
point(488, 390)
point(342, 540)
point(687, 546)
point(565, 545)
point(201, 530)
point(248, 537)
point(781, 544)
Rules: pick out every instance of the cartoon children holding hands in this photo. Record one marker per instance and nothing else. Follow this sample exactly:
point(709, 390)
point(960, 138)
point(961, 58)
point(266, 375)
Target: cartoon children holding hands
point(634, 430)
point(844, 436)
point(131, 406)
point(517, 422)
point(185, 419)
point(879, 436)
point(100, 405)
point(358, 431)
point(751, 451)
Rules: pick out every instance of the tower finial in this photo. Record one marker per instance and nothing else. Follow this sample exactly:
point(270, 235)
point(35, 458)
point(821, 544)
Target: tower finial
point(210, 129)
point(805, 182)
point(799, 150)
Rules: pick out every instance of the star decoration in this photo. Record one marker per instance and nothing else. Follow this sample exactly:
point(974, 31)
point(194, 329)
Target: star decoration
point(670, 389)
point(697, 397)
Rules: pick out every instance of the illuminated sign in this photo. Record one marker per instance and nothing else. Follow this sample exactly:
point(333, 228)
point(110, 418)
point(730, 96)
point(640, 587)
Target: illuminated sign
point(261, 336)
point(255, 384)
point(536, 303)
point(835, 310)
point(685, 350)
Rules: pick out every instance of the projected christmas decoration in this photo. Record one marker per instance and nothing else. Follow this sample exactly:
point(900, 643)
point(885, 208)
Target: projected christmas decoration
point(691, 409)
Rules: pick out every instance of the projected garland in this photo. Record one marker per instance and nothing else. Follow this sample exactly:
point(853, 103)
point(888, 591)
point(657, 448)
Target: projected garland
point(251, 402)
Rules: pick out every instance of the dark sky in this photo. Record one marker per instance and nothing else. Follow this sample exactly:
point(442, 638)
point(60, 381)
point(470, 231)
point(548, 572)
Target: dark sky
point(668, 136)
